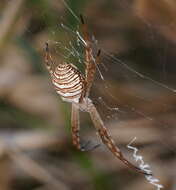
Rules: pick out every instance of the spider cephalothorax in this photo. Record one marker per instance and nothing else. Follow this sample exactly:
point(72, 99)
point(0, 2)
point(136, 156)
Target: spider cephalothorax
point(74, 87)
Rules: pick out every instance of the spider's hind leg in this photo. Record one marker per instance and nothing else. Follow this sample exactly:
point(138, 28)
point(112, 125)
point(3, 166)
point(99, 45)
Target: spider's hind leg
point(75, 126)
point(107, 139)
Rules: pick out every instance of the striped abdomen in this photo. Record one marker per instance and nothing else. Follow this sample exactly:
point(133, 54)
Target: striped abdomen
point(68, 82)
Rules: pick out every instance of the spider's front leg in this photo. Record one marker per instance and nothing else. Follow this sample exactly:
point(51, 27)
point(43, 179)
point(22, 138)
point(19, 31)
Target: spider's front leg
point(91, 61)
point(48, 59)
point(75, 127)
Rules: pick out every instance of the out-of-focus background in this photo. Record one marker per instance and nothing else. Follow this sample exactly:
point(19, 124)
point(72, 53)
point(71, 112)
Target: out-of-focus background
point(139, 48)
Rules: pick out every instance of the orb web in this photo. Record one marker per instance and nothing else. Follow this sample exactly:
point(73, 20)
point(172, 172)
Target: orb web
point(119, 78)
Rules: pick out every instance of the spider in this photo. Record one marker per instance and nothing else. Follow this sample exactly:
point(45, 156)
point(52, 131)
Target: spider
point(74, 87)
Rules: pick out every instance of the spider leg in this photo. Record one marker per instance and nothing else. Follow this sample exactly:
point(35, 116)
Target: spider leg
point(90, 60)
point(75, 126)
point(48, 59)
point(107, 139)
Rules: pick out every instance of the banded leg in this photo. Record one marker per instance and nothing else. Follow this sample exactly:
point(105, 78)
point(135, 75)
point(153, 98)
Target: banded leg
point(107, 139)
point(75, 126)
point(48, 59)
point(91, 69)
point(90, 61)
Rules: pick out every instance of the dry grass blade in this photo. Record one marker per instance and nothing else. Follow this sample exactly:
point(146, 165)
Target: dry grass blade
point(40, 140)
point(35, 170)
point(13, 147)
point(8, 19)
